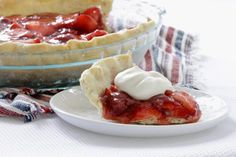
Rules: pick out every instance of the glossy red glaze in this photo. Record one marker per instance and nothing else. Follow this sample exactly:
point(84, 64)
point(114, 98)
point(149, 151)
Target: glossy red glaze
point(119, 106)
point(52, 28)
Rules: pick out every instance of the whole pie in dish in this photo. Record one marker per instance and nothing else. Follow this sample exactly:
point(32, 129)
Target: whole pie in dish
point(124, 93)
point(47, 27)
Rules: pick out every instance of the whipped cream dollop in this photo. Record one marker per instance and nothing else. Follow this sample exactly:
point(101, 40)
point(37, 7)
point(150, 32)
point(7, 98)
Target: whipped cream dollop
point(141, 84)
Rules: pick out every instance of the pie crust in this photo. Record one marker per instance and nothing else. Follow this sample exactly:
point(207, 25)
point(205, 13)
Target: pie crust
point(100, 75)
point(21, 54)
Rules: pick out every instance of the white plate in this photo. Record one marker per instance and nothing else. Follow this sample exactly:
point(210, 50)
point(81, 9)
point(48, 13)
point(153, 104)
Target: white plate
point(72, 106)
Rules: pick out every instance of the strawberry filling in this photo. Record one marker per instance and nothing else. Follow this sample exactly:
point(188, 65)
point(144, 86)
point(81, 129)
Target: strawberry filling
point(163, 108)
point(52, 28)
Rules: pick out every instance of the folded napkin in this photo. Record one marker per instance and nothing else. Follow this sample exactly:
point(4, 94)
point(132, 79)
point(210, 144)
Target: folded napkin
point(25, 102)
point(170, 55)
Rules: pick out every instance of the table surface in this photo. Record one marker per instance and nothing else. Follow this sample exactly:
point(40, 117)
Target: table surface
point(213, 21)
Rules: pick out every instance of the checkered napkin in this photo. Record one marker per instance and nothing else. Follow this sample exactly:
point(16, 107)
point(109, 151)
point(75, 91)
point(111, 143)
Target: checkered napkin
point(171, 55)
point(25, 102)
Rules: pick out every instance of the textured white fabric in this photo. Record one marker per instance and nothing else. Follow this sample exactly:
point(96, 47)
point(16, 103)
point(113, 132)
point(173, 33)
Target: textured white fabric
point(55, 137)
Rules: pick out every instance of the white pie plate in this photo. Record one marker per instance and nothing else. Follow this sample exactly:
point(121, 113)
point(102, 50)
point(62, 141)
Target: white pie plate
point(73, 107)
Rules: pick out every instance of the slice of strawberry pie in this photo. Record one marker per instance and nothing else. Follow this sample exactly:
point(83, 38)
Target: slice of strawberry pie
point(124, 93)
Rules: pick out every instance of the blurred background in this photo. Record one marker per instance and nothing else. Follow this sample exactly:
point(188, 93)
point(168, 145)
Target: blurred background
point(212, 20)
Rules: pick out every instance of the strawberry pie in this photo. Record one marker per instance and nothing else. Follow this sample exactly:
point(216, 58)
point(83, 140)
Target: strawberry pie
point(45, 32)
point(124, 93)
point(49, 43)
point(52, 28)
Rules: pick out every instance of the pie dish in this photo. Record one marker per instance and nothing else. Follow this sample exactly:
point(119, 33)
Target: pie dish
point(114, 89)
point(12, 7)
point(51, 65)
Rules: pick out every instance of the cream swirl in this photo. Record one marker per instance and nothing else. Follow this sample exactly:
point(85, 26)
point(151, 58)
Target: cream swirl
point(141, 84)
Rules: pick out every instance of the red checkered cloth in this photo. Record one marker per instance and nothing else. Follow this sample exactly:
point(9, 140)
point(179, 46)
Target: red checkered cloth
point(171, 55)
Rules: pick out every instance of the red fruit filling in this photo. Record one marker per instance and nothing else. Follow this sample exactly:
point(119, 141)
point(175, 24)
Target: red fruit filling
point(52, 28)
point(121, 107)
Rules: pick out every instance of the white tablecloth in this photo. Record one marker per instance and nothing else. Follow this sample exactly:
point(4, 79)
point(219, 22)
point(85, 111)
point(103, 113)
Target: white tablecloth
point(214, 23)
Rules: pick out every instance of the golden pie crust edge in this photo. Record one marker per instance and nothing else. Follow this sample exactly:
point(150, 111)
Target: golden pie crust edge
point(100, 75)
point(28, 7)
point(46, 54)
